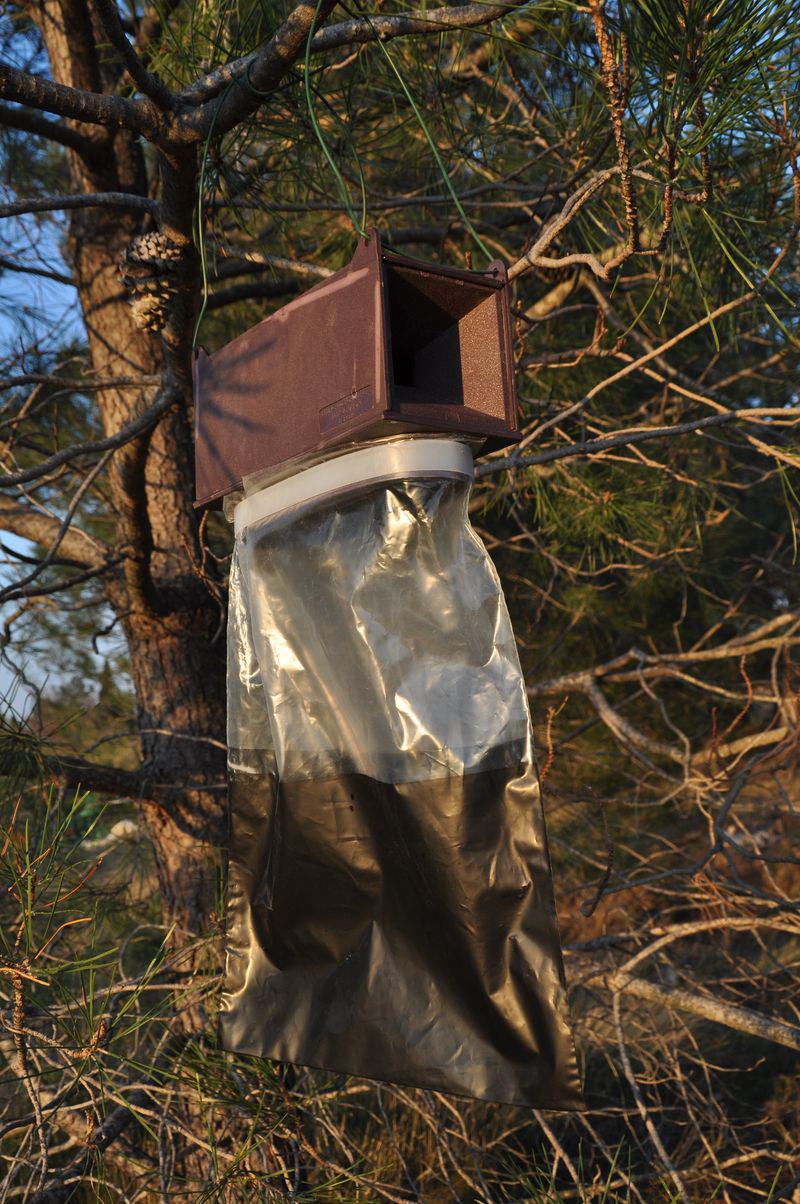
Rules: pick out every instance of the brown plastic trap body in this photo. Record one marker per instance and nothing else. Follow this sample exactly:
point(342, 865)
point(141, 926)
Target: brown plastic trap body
point(388, 344)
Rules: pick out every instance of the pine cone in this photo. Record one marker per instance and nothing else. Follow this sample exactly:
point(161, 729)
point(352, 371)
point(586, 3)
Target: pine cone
point(154, 251)
point(149, 313)
point(149, 269)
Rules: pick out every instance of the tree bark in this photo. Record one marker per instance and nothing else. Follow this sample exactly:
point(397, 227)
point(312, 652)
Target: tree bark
point(168, 615)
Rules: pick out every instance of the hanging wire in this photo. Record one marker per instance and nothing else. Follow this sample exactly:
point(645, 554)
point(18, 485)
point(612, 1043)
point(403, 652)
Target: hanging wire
point(428, 136)
point(201, 242)
point(359, 225)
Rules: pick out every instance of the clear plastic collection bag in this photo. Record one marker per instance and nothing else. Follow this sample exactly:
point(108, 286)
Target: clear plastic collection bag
point(390, 904)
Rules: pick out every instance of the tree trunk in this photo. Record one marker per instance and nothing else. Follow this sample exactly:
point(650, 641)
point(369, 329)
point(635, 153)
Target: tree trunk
point(171, 619)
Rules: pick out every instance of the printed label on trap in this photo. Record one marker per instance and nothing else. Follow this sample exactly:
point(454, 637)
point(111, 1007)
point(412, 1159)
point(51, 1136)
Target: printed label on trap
point(346, 409)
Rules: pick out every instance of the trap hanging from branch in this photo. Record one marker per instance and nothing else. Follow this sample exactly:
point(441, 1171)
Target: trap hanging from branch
point(390, 907)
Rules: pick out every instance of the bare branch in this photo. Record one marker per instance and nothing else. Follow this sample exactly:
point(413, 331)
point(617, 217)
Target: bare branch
point(147, 83)
point(642, 1106)
point(601, 265)
point(357, 31)
point(237, 263)
point(113, 112)
point(260, 72)
point(625, 731)
point(82, 385)
point(56, 131)
point(591, 446)
point(170, 396)
point(254, 290)
point(9, 265)
point(63, 1185)
point(757, 640)
point(17, 589)
point(139, 785)
point(66, 583)
point(77, 547)
point(90, 200)
point(737, 748)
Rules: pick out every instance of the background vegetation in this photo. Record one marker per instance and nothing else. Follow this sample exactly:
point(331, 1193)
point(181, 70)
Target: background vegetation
point(636, 165)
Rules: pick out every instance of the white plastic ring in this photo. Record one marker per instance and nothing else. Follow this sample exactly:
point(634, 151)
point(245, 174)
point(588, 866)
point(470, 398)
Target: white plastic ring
point(367, 465)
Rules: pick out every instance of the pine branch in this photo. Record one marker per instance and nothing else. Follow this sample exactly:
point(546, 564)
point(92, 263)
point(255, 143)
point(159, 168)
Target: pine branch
point(77, 547)
point(252, 78)
point(63, 1185)
point(147, 83)
point(357, 31)
point(170, 396)
point(56, 131)
point(249, 262)
point(76, 774)
point(90, 200)
point(649, 665)
point(113, 112)
point(588, 447)
point(63, 586)
point(251, 291)
point(10, 265)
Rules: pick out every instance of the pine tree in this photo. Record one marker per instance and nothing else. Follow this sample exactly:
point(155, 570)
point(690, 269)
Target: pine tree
point(184, 169)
